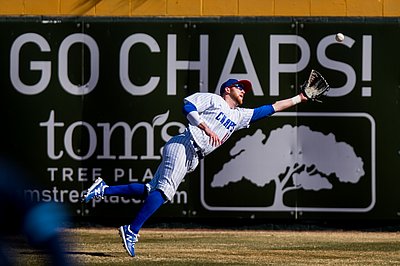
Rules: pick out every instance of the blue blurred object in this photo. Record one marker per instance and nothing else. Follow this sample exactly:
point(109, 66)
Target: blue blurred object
point(38, 221)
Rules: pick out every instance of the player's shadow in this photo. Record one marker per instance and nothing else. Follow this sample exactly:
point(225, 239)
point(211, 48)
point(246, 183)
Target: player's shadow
point(94, 254)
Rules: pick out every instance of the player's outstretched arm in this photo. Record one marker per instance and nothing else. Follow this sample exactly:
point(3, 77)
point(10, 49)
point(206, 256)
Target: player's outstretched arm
point(287, 103)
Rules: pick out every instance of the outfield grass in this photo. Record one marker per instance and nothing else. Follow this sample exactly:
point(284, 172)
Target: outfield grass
point(94, 246)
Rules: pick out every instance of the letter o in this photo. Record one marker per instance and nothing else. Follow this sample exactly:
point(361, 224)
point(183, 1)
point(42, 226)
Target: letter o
point(68, 141)
point(63, 64)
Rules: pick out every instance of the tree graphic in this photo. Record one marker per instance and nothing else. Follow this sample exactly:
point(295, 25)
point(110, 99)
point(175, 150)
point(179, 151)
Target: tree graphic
point(293, 158)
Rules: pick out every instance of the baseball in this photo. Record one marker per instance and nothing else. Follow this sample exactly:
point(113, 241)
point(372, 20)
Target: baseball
point(339, 37)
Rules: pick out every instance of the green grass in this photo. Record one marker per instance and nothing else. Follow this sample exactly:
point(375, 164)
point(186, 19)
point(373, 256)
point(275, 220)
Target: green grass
point(94, 246)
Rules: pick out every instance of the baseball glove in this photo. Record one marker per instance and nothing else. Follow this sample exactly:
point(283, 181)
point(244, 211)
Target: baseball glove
point(315, 87)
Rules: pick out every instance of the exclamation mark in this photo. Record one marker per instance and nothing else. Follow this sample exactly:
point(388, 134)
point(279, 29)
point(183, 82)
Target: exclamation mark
point(366, 64)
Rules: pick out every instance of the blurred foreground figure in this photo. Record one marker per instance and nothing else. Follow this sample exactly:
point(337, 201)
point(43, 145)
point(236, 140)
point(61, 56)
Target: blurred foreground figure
point(38, 222)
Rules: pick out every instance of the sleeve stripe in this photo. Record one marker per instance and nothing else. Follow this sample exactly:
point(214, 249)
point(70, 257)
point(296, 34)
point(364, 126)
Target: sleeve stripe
point(188, 107)
point(262, 111)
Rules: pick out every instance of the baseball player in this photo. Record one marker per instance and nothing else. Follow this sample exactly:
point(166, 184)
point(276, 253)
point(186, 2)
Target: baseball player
point(212, 120)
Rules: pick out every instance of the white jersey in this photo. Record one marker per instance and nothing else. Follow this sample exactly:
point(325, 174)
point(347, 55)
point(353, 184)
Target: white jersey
point(219, 117)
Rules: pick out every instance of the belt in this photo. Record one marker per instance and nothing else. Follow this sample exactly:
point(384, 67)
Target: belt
point(197, 149)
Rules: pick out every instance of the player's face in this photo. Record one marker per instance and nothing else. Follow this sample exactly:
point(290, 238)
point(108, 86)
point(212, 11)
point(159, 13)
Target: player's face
point(237, 93)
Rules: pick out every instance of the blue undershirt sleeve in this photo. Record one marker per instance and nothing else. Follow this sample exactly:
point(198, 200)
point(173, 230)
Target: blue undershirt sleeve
point(261, 112)
point(188, 107)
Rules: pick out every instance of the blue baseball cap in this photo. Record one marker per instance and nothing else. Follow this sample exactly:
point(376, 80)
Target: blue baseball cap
point(244, 83)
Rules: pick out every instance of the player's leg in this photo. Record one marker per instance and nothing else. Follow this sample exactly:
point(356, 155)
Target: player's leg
point(179, 158)
point(130, 233)
point(137, 190)
point(166, 180)
point(150, 205)
point(99, 189)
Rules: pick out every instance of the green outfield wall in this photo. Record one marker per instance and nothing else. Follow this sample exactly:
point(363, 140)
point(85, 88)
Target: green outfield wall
point(88, 97)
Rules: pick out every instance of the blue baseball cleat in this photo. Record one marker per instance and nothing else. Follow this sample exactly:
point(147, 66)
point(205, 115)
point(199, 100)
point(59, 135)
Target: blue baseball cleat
point(95, 191)
point(129, 239)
